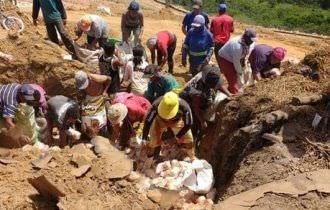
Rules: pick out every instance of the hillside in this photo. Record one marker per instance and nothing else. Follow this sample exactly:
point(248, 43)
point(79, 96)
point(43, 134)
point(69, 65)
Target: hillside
point(304, 15)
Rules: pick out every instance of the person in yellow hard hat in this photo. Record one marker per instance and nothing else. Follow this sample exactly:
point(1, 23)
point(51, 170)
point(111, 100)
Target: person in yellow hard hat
point(95, 27)
point(168, 121)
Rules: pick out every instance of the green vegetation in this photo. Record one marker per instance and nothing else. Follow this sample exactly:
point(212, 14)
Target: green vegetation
point(311, 16)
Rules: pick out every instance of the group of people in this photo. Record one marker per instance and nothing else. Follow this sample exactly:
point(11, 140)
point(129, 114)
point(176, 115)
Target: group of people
point(147, 101)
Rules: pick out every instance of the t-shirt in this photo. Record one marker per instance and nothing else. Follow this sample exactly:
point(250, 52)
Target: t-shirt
point(132, 22)
point(42, 101)
point(99, 28)
point(260, 59)
point(58, 106)
point(189, 19)
point(184, 113)
point(8, 99)
point(221, 27)
point(138, 79)
point(156, 89)
point(106, 68)
point(164, 41)
point(137, 106)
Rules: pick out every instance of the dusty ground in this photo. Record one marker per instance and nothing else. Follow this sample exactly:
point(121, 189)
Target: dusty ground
point(238, 166)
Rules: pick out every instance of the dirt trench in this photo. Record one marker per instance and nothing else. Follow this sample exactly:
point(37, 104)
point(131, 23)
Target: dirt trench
point(241, 158)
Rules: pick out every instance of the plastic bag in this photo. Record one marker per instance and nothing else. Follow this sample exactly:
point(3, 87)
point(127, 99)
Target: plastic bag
point(201, 179)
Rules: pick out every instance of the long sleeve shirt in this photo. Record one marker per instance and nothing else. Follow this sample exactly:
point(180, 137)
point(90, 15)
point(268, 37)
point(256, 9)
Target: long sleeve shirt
point(260, 59)
point(184, 113)
point(52, 10)
point(8, 99)
point(198, 45)
point(233, 51)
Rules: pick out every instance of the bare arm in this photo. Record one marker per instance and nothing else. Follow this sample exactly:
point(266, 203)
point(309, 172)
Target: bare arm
point(102, 79)
point(9, 123)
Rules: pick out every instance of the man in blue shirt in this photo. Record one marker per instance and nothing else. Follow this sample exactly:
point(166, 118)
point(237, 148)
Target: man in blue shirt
point(55, 18)
point(198, 45)
point(189, 18)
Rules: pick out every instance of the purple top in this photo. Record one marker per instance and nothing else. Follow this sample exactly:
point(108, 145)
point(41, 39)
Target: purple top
point(260, 59)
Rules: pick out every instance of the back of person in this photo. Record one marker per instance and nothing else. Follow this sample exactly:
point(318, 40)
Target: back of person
point(137, 106)
point(50, 10)
point(164, 40)
point(58, 106)
point(221, 27)
point(8, 100)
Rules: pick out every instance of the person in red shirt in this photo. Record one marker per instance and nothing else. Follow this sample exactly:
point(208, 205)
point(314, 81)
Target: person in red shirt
point(221, 27)
point(126, 110)
point(165, 43)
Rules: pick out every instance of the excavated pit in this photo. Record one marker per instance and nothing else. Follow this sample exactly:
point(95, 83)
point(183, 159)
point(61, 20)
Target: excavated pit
point(241, 158)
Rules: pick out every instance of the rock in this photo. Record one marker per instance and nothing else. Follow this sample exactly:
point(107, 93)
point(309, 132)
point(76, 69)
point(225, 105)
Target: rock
point(46, 188)
point(79, 160)
point(133, 176)
point(4, 152)
point(154, 195)
point(7, 160)
point(143, 185)
point(79, 172)
point(42, 161)
point(211, 194)
point(101, 145)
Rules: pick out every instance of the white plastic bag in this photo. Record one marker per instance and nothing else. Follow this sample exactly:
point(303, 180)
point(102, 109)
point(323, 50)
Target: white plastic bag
point(201, 179)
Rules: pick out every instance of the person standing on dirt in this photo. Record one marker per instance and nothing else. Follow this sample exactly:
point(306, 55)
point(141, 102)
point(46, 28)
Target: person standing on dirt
point(198, 45)
point(93, 111)
point(126, 110)
point(221, 28)
point(134, 79)
point(164, 42)
point(200, 93)
point(160, 84)
point(263, 59)
point(189, 18)
point(11, 95)
point(55, 17)
point(109, 66)
point(132, 22)
point(96, 29)
point(63, 113)
point(232, 57)
point(168, 121)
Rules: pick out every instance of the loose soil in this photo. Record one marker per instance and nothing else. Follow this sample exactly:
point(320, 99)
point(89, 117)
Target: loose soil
point(241, 158)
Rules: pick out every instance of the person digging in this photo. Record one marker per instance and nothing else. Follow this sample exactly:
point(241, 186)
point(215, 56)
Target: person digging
point(169, 121)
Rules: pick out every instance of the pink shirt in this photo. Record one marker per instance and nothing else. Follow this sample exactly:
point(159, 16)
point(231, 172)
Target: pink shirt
point(42, 101)
point(137, 106)
point(164, 40)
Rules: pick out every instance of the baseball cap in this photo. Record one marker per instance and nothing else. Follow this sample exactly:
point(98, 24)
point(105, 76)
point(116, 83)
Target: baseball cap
point(279, 53)
point(197, 4)
point(168, 106)
point(222, 7)
point(134, 6)
point(211, 76)
point(199, 21)
point(29, 93)
point(81, 80)
point(86, 23)
point(117, 113)
point(250, 33)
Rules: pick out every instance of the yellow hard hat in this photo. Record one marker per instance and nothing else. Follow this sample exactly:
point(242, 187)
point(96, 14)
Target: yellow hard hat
point(86, 23)
point(169, 106)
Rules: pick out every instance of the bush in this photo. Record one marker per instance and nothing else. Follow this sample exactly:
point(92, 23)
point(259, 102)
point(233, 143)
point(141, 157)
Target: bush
point(302, 15)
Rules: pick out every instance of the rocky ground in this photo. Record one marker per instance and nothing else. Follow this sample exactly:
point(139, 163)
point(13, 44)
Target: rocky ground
point(242, 155)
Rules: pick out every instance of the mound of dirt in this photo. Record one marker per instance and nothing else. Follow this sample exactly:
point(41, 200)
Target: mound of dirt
point(235, 145)
point(39, 61)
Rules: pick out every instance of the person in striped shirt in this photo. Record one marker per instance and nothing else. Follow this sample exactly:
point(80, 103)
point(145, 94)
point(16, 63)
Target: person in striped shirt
point(13, 94)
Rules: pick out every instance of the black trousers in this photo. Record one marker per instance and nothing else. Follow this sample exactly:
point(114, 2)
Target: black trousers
point(101, 41)
point(52, 34)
